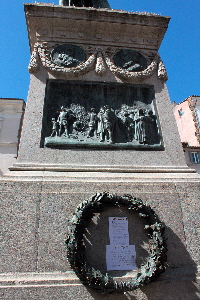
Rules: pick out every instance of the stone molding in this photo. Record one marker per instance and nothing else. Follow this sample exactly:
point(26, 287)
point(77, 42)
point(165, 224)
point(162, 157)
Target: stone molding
point(31, 279)
point(108, 15)
point(96, 168)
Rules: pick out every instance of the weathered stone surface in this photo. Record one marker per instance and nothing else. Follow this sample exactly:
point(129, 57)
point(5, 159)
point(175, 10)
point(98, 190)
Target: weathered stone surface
point(38, 213)
point(35, 229)
point(38, 200)
point(179, 290)
point(57, 32)
point(30, 151)
point(20, 211)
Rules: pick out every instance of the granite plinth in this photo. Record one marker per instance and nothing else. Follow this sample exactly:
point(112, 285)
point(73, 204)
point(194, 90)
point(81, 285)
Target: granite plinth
point(60, 288)
point(35, 230)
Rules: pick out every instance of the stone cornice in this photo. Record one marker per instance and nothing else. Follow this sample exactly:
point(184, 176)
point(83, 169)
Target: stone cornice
point(85, 13)
point(60, 24)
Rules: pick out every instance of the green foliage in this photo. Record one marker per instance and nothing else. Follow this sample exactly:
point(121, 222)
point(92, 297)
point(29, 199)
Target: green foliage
point(150, 269)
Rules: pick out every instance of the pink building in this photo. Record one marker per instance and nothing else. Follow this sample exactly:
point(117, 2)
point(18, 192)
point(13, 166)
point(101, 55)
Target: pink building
point(187, 115)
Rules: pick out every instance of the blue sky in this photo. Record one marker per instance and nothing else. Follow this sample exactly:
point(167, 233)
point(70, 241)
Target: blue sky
point(180, 49)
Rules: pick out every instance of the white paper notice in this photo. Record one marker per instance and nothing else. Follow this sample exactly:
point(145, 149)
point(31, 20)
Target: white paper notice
point(121, 257)
point(118, 231)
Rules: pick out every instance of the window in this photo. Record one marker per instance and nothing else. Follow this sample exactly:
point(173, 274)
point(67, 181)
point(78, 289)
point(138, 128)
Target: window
point(195, 157)
point(180, 112)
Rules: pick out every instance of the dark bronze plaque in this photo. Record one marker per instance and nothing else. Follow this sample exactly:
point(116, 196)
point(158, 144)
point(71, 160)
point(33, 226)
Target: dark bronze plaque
point(100, 115)
point(68, 55)
point(130, 60)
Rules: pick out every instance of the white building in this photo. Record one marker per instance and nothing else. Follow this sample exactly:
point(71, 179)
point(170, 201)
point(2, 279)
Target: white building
point(11, 115)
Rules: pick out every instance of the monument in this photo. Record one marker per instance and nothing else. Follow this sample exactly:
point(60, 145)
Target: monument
point(100, 202)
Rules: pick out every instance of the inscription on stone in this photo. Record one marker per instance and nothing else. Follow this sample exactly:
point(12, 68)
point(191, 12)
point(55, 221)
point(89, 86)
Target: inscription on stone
point(101, 115)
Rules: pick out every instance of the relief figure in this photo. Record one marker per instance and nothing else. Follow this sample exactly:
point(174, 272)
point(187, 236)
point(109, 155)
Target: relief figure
point(66, 119)
point(55, 130)
point(107, 120)
point(93, 123)
point(62, 119)
point(125, 125)
point(140, 127)
point(129, 122)
point(67, 59)
point(151, 128)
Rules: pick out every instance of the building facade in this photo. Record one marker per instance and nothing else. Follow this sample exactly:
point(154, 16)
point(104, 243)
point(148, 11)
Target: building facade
point(187, 115)
point(11, 115)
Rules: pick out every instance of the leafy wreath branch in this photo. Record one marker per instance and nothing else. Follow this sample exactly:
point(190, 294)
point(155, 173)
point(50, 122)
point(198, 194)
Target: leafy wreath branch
point(41, 52)
point(148, 72)
point(150, 269)
point(97, 61)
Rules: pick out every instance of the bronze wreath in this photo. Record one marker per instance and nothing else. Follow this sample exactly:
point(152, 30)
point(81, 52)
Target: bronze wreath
point(150, 269)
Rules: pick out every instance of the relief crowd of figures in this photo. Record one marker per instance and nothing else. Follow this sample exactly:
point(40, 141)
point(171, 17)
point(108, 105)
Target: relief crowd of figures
point(107, 125)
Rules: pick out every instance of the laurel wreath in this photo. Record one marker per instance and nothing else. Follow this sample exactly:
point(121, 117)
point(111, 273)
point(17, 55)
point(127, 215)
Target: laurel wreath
point(149, 270)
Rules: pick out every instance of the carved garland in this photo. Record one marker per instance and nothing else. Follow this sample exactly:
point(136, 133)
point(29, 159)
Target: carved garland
point(162, 73)
point(44, 55)
point(130, 75)
point(100, 67)
point(96, 62)
point(154, 265)
point(34, 61)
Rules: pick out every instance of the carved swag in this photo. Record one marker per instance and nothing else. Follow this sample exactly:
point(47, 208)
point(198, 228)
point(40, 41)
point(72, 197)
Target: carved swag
point(100, 60)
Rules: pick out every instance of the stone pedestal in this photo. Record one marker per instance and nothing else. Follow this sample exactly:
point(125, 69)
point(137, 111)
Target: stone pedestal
point(37, 208)
point(100, 34)
point(44, 187)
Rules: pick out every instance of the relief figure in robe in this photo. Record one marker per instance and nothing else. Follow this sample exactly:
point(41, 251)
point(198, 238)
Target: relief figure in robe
point(140, 127)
